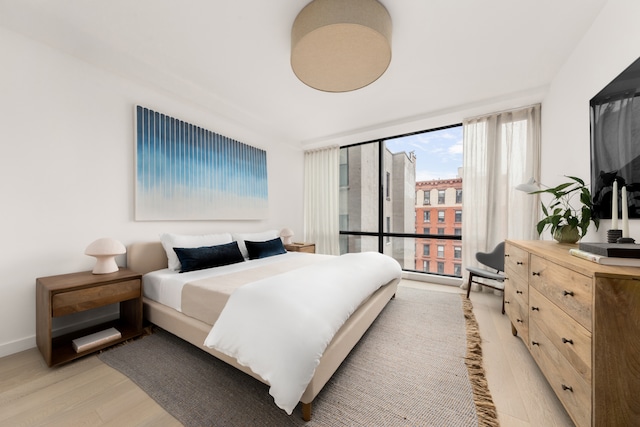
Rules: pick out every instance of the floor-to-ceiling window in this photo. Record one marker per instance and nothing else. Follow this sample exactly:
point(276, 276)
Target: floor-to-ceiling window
point(402, 196)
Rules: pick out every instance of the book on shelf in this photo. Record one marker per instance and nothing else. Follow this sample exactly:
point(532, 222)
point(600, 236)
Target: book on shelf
point(90, 341)
point(618, 250)
point(605, 260)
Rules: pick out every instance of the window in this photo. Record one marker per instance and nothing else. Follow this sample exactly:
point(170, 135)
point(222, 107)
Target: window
point(457, 270)
point(440, 251)
point(398, 221)
point(457, 231)
point(388, 229)
point(441, 197)
point(441, 268)
point(457, 252)
point(458, 216)
point(344, 168)
point(458, 196)
point(344, 222)
point(425, 265)
point(388, 186)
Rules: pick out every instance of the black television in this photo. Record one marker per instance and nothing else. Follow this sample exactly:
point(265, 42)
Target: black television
point(615, 143)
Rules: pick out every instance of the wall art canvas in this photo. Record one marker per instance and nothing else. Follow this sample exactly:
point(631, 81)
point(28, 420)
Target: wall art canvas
point(185, 172)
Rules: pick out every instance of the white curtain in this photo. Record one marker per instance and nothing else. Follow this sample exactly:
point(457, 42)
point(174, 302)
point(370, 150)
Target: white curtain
point(501, 151)
point(321, 199)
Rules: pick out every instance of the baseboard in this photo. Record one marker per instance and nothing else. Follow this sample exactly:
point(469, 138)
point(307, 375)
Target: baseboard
point(17, 346)
point(23, 344)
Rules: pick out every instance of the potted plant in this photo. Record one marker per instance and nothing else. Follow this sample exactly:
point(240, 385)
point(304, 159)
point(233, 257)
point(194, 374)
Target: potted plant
point(567, 224)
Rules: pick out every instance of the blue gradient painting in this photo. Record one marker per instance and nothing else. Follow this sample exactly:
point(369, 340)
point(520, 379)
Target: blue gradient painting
point(184, 172)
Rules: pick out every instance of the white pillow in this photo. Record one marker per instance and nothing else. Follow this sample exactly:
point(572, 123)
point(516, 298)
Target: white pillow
point(253, 237)
point(170, 241)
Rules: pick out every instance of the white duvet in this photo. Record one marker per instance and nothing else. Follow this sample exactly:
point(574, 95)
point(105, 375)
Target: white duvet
point(280, 326)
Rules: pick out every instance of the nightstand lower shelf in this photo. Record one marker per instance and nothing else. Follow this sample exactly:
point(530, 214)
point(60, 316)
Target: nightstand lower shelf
point(62, 348)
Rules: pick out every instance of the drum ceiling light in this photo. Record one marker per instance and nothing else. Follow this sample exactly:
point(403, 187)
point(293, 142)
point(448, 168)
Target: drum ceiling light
point(341, 45)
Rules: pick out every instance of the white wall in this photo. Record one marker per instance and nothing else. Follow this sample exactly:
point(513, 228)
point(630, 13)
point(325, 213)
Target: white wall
point(66, 169)
point(66, 172)
point(610, 46)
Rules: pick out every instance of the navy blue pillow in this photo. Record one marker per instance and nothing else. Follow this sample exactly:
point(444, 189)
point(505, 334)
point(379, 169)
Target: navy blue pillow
point(265, 249)
point(208, 256)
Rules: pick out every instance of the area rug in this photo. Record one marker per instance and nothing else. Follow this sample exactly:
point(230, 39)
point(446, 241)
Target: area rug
point(414, 367)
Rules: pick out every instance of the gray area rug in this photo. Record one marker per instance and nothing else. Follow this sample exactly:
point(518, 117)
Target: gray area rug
point(408, 370)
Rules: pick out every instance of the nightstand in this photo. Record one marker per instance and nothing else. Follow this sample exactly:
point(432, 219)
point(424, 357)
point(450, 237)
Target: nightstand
point(66, 294)
point(301, 247)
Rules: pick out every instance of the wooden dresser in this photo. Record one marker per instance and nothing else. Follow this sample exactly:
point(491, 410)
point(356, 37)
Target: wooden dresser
point(581, 322)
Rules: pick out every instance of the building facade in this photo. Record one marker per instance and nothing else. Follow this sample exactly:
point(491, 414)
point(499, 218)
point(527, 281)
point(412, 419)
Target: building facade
point(438, 213)
point(360, 180)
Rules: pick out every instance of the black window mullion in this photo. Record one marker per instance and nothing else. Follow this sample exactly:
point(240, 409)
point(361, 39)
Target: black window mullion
point(380, 196)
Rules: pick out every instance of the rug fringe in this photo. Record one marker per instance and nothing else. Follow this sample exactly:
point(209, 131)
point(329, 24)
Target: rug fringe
point(487, 414)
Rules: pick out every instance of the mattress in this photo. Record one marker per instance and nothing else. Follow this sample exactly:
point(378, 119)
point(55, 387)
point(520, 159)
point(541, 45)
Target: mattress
point(202, 294)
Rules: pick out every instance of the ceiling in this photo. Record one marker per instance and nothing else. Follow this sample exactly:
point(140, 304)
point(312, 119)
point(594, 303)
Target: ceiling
point(232, 57)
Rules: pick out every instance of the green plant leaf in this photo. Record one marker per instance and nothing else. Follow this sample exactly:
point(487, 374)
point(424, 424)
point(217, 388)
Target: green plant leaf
point(560, 211)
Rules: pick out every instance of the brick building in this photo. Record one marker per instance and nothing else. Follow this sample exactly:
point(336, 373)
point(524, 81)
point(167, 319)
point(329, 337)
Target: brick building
point(439, 212)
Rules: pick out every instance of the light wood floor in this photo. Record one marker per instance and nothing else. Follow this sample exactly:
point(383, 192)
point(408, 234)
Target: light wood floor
point(88, 392)
point(522, 395)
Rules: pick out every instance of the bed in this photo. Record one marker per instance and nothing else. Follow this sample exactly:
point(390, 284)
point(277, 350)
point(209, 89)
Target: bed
point(195, 324)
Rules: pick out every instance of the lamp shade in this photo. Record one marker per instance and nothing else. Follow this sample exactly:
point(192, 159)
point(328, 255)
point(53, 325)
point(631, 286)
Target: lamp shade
point(287, 235)
point(341, 45)
point(105, 251)
point(528, 187)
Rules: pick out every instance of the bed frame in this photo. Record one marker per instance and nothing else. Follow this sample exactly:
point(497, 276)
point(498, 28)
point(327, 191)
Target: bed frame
point(149, 256)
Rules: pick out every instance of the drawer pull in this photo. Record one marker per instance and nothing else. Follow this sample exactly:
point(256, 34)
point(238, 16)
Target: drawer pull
point(567, 293)
point(519, 262)
point(535, 309)
point(519, 321)
point(567, 387)
point(518, 292)
point(507, 302)
point(506, 255)
point(566, 341)
point(535, 343)
point(535, 273)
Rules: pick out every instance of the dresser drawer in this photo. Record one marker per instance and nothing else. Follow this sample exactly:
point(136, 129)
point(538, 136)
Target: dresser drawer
point(571, 339)
point(97, 296)
point(519, 287)
point(516, 262)
point(572, 390)
point(517, 312)
point(570, 291)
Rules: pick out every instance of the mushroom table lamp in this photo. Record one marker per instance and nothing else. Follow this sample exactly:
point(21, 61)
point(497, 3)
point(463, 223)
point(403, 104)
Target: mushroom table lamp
point(286, 234)
point(105, 251)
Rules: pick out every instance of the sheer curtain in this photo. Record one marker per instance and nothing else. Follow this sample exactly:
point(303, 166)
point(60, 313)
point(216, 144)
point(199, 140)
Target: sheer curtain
point(501, 151)
point(321, 199)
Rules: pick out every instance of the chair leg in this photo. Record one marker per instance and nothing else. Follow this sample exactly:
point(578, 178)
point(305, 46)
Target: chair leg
point(469, 285)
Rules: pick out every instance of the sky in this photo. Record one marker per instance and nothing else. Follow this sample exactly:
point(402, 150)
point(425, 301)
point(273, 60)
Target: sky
point(438, 153)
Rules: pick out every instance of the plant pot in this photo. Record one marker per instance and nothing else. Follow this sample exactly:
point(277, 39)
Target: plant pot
point(566, 234)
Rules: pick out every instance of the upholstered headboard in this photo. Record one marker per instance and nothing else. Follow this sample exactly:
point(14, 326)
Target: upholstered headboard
point(144, 257)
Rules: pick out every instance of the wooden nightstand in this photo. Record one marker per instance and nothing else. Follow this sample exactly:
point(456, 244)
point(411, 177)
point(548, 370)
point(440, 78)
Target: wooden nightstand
point(301, 247)
point(72, 293)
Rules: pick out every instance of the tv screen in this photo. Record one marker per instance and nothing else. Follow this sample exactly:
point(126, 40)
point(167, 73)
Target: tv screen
point(615, 143)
